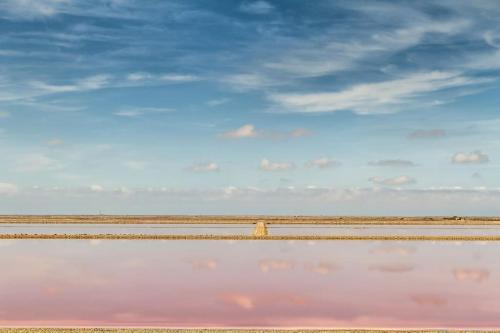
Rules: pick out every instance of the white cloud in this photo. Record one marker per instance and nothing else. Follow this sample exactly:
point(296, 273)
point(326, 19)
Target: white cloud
point(90, 83)
point(9, 53)
point(312, 57)
point(492, 38)
point(475, 157)
point(246, 200)
point(249, 131)
point(205, 167)
point(139, 76)
point(267, 165)
point(171, 77)
point(179, 77)
point(7, 189)
point(245, 131)
point(380, 97)
point(217, 102)
point(248, 81)
point(32, 9)
point(396, 181)
point(299, 132)
point(96, 188)
point(484, 61)
point(321, 163)
point(258, 7)
point(137, 111)
point(37, 162)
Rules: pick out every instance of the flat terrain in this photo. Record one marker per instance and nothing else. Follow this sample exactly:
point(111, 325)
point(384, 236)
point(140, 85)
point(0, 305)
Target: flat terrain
point(194, 219)
point(102, 330)
point(449, 238)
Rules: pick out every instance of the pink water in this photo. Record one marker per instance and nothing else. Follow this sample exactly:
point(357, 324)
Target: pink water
point(332, 284)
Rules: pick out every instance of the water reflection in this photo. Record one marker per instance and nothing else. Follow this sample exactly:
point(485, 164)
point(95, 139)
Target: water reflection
point(250, 283)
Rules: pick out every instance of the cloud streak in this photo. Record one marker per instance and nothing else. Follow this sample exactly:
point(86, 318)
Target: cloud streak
point(373, 98)
point(267, 165)
point(205, 167)
point(250, 131)
point(475, 157)
point(245, 200)
point(395, 181)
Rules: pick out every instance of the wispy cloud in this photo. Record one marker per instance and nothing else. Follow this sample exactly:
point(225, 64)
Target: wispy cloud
point(7, 189)
point(250, 131)
point(267, 165)
point(170, 77)
point(137, 111)
point(259, 7)
point(299, 132)
point(245, 131)
point(395, 181)
point(205, 167)
point(322, 163)
point(475, 157)
point(37, 162)
point(32, 9)
point(380, 97)
point(217, 102)
point(96, 188)
point(179, 78)
point(89, 83)
point(249, 81)
point(244, 200)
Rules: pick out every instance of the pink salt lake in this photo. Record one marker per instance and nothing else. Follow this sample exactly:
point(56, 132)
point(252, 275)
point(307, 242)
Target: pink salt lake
point(324, 284)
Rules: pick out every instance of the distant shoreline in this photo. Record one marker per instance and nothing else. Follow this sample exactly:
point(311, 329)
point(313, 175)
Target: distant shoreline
point(247, 219)
point(212, 330)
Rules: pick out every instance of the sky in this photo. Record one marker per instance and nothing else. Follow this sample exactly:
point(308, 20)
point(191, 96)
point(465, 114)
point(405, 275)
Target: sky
point(249, 107)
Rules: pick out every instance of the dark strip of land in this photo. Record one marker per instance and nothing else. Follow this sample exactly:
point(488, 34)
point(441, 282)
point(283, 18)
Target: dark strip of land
point(450, 238)
point(171, 219)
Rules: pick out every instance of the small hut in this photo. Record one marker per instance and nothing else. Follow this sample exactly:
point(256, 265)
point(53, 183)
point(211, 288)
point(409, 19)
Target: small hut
point(260, 229)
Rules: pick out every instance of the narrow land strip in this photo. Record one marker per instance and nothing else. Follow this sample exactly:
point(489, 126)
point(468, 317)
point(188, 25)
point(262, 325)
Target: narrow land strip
point(110, 330)
point(195, 219)
point(455, 238)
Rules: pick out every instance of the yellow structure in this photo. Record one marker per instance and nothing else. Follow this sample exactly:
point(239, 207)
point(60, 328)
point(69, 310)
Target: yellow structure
point(260, 229)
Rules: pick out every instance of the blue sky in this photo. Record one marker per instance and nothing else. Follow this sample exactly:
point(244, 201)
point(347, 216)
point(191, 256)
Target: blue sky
point(250, 107)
